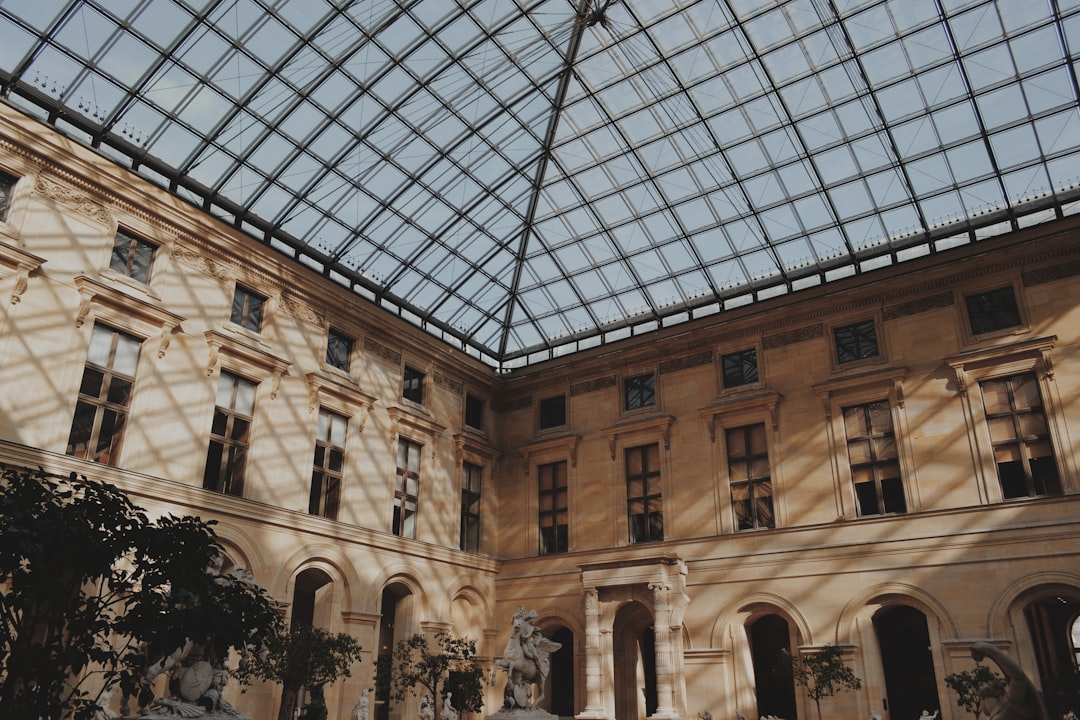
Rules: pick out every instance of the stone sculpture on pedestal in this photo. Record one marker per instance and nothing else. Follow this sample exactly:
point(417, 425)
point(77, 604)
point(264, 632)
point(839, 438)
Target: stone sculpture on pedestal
point(527, 662)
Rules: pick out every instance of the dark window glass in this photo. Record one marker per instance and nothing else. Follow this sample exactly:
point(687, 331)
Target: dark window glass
point(247, 309)
point(639, 392)
point(338, 350)
point(643, 502)
point(993, 310)
point(554, 516)
point(875, 464)
point(406, 488)
point(412, 386)
point(131, 256)
point(1020, 436)
point(474, 411)
point(97, 429)
point(7, 185)
point(328, 465)
point(472, 475)
point(751, 482)
point(226, 458)
point(553, 412)
point(856, 342)
point(740, 368)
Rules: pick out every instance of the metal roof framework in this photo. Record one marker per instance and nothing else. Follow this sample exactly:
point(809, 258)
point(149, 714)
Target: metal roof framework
point(527, 178)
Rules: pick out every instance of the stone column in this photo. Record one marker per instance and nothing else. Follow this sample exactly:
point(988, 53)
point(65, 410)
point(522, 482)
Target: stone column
point(594, 685)
point(665, 658)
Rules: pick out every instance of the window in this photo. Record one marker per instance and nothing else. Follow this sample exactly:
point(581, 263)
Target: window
point(1019, 435)
point(748, 473)
point(328, 465)
point(639, 391)
point(406, 488)
point(338, 350)
point(739, 368)
point(131, 256)
point(104, 394)
point(643, 494)
point(470, 507)
point(247, 309)
point(229, 435)
point(554, 535)
point(875, 462)
point(474, 411)
point(856, 342)
point(992, 310)
point(412, 386)
point(553, 412)
point(7, 185)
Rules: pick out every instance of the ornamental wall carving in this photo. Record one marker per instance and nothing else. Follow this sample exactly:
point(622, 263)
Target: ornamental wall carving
point(76, 200)
point(448, 383)
point(690, 361)
point(593, 385)
point(915, 307)
point(203, 263)
point(381, 351)
point(793, 336)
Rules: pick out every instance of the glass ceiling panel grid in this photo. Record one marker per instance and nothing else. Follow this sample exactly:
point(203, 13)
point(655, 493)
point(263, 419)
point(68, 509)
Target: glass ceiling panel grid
point(696, 153)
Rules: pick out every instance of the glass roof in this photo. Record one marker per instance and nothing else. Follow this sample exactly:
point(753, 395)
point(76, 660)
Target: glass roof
point(525, 178)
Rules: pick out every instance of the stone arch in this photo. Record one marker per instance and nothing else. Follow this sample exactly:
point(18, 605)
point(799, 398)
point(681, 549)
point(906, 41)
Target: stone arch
point(861, 608)
point(469, 613)
point(243, 552)
point(746, 608)
point(1000, 619)
point(325, 557)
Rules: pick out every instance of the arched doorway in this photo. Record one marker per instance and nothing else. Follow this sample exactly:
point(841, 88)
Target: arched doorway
point(904, 640)
point(313, 597)
point(770, 636)
point(1054, 623)
point(560, 691)
point(635, 663)
point(395, 624)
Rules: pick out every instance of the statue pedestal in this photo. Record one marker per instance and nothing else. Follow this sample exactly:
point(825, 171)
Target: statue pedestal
point(522, 714)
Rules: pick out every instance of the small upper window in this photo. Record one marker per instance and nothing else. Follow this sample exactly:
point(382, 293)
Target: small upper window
point(992, 310)
point(639, 391)
point(740, 368)
point(553, 412)
point(412, 386)
point(247, 308)
point(7, 185)
point(856, 342)
point(338, 350)
point(474, 411)
point(131, 256)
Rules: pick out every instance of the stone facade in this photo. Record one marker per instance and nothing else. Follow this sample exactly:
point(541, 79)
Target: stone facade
point(817, 468)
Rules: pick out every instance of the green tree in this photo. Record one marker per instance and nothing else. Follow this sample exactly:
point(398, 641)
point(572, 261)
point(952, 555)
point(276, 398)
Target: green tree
point(303, 657)
point(966, 684)
point(822, 673)
point(92, 592)
point(449, 666)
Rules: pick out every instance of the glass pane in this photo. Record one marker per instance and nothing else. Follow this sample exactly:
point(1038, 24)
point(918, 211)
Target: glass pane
point(91, 382)
point(119, 390)
point(140, 262)
point(337, 430)
point(854, 422)
point(859, 452)
point(220, 423)
point(995, 397)
point(738, 472)
point(414, 458)
point(758, 444)
point(100, 345)
point(320, 456)
point(1032, 425)
point(323, 430)
point(1001, 429)
point(880, 418)
point(634, 462)
point(866, 498)
point(763, 506)
point(1026, 392)
point(225, 390)
point(240, 430)
point(245, 397)
point(337, 460)
point(635, 489)
point(81, 428)
point(892, 491)
point(736, 443)
point(759, 468)
point(127, 354)
point(885, 448)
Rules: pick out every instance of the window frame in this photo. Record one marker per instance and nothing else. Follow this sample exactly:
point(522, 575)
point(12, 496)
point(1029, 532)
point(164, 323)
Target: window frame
point(11, 180)
point(750, 482)
point(560, 535)
point(471, 401)
point(541, 425)
point(136, 243)
point(472, 495)
point(233, 481)
point(879, 345)
point(331, 482)
point(242, 316)
point(652, 494)
point(968, 331)
point(548, 452)
point(874, 464)
point(413, 384)
point(627, 388)
point(400, 524)
point(749, 384)
point(974, 366)
point(336, 341)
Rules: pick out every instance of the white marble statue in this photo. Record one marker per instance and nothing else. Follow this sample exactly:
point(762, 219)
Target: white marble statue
point(427, 708)
point(448, 711)
point(360, 709)
point(526, 660)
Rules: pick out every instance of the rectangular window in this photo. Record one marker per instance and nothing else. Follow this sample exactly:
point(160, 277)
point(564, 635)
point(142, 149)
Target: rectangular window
point(643, 502)
point(328, 465)
point(1020, 437)
point(875, 463)
point(230, 435)
point(104, 394)
point(639, 391)
point(553, 412)
point(751, 481)
point(7, 185)
point(474, 411)
point(856, 342)
point(472, 475)
point(131, 256)
point(992, 310)
point(739, 368)
point(412, 385)
point(554, 516)
point(338, 350)
point(247, 309)
point(406, 488)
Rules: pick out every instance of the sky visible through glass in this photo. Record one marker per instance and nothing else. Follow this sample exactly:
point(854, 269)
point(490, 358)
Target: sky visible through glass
point(525, 178)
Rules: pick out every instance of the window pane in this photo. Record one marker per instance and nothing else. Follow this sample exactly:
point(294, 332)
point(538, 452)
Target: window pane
point(119, 390)
point(100, 345)
point(127, 354)
point(245, 397)
point(92, 382)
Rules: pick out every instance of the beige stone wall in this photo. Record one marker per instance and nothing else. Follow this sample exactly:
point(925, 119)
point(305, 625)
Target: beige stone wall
point(963, 556)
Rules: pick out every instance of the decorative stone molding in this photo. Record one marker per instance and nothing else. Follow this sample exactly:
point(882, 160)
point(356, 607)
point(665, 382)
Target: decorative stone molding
point(326, 388)
point(685, 363)
point(566, 446)
point(204, 263)
point(1051, 273)
point(593, 385)
point(238, 352)
point(791, 337)
point(768, 400)
point(466, 445)
point(381, 351)
point(76, 200)
point(448, 383)
point(301, 311)
point(1024, 355)
point(405, 418)
point(660, 424)
point(124, 310)
point(22, 264)
point(891, 376)
point(917, 306)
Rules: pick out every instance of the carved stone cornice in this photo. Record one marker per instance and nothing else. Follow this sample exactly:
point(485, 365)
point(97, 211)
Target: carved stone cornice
point(767, 400)
point(22, 264)
point(326, 386)
point(140, 315)
point(382, 352)
point(889, 376)
point(405, 418)
point(75, 199)
point(659, 424)
point(204, 262)
point(564, 444)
